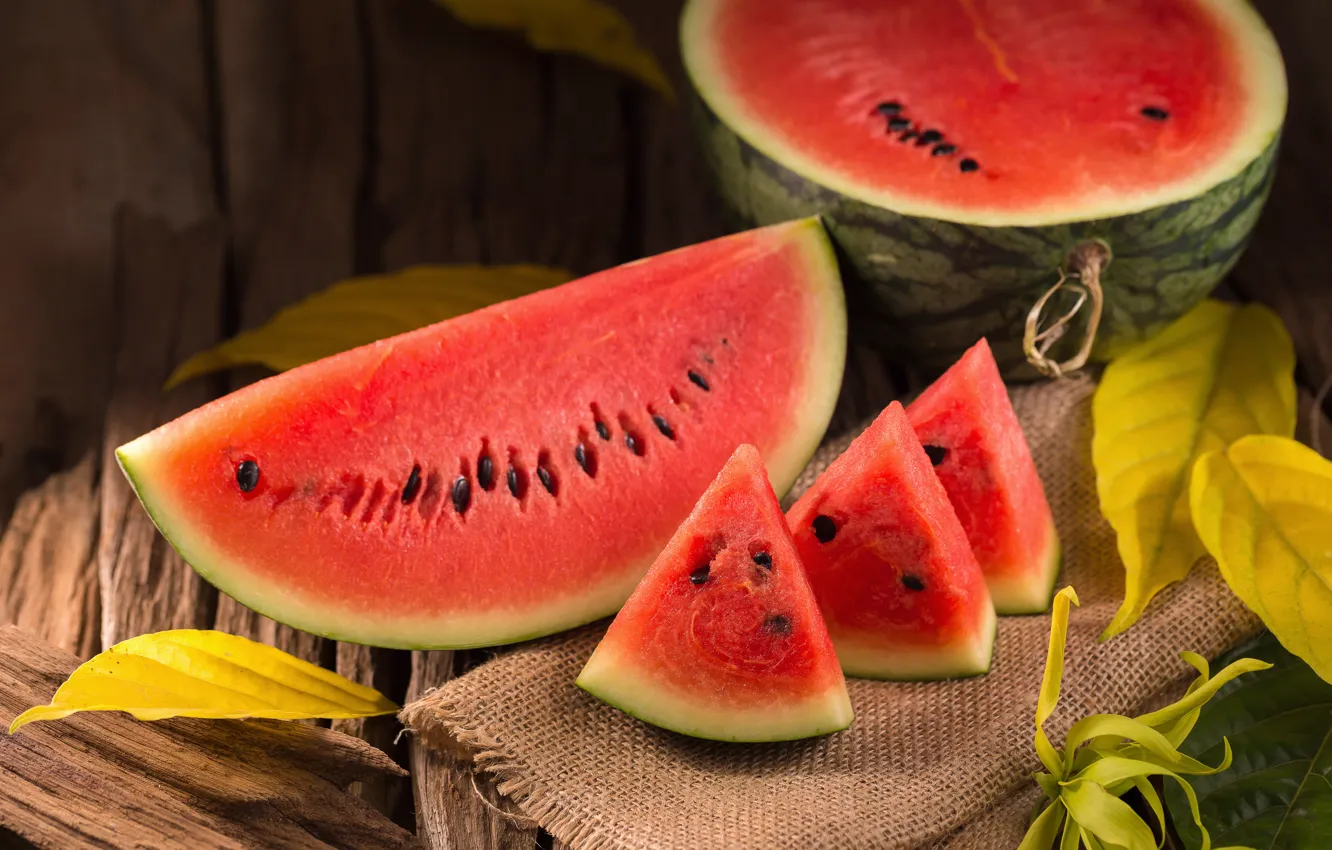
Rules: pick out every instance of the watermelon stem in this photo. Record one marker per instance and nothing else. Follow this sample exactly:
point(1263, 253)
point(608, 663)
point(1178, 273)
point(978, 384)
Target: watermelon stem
point(1085, 263)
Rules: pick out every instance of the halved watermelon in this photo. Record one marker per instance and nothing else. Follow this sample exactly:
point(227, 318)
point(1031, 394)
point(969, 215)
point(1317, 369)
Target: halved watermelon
point(512, 472)
point(890, 565)
point(723, 639)
point(960, 151)
point(980, 454)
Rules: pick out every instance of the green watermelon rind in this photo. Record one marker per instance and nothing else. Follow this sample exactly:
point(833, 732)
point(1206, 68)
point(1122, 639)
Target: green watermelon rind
point(941, 664)
point(926, 288)
point(607, 680)
point(1021, 601)
point(808, 424)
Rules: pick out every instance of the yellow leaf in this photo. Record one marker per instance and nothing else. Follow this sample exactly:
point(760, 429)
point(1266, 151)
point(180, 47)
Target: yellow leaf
point(589, 28)
point(1219, 373)
point(364, 309)
point(188, 673)
point(1263, 507)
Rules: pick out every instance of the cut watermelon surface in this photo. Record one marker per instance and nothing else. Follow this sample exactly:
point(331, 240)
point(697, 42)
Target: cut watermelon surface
point(973, 437)
point(1023, 111)
point(512, 472)
point(723, 639)
point(899, 587)
point(961, 152)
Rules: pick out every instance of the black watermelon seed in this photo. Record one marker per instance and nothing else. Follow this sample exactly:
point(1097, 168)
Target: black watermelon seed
point(632, 444)
point(943, 150)
point(824, 528)
point(1155, 113)
point(514, 483)
point(700, 575)
point(763, 559)
point(777, 624)
point(968, 166)
point(247, 475)
point(929, 137)
point(580, 455)
point(699, 381)
point(485, 473)
point(602, 431)
point(936, 454)
point(907, 136)
point(911, 582)
point(898, 123)
point(546, 480)
point(413, 485)
point(890, 107)
point(462, 493)
point(663, 426)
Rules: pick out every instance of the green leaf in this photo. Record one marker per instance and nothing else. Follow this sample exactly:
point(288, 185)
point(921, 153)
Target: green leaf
point(1219, 373)
point(189, 673)
point(589, 28)
point(364, 309)
point(1278, 793)
point(1263, 508)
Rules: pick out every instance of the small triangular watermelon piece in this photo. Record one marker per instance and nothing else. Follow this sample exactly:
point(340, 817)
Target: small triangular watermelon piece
point(899, 587)
point(967, 423)
point(722, 639)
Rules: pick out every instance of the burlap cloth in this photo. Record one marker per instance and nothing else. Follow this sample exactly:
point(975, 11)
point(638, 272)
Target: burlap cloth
point(944, 764)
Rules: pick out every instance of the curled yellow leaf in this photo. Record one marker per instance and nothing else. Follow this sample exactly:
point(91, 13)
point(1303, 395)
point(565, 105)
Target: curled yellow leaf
point(364, 309)
point(1263, 508)
point(1218, 374)
point(189, 673)
point(590, 28)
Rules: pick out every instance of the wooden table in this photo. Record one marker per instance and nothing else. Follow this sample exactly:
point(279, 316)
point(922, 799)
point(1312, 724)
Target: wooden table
point(173, 172)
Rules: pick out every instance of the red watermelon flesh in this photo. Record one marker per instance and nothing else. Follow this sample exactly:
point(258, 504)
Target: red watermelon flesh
point(511, 472)
point(967, 423)
point(994, 111)
point(890, 565)
point(723, 639)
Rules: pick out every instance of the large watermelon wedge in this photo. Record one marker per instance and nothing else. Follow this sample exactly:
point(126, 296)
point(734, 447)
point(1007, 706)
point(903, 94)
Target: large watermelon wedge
point(512, 472)
point(723, 638)
point(961, 150)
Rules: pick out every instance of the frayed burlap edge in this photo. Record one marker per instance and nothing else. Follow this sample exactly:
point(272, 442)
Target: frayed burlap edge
point(539, 804)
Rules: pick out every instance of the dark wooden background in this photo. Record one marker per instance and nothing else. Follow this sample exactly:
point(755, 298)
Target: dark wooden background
point(173, 171)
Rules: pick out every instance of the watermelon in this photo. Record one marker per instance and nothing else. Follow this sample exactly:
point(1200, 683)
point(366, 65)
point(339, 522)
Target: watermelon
point(512, 472)
point(973, 438)
point(899, 587)
point(723, 639)
point(961, 151)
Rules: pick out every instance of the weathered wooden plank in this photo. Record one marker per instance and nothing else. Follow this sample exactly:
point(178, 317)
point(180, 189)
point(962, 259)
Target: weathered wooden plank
point(290, 82)
point(104, 780)
point(487, 151)
point(102, 104)
point(48, 572)
point(1287, 265)
point(170, 303)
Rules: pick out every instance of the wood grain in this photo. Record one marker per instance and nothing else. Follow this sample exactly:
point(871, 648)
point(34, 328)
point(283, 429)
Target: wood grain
point(102, 779)
point(169, 303)
point(102, 104)
point(1289, 264)
point(48, 572)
